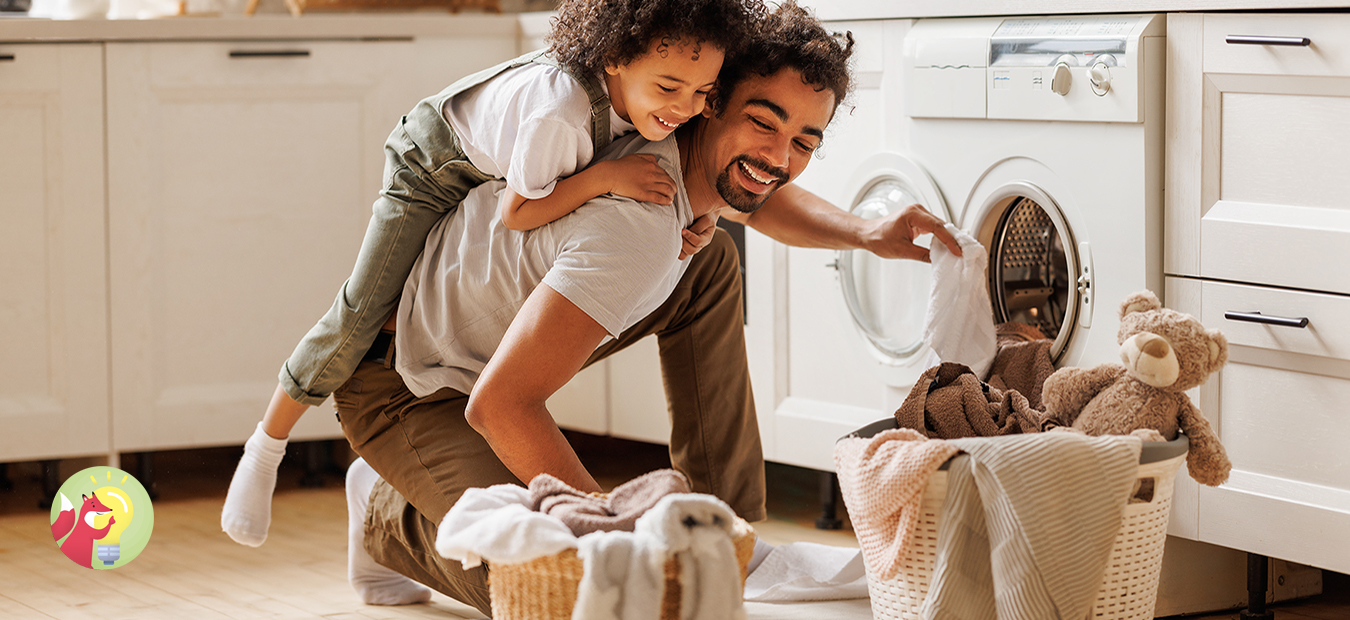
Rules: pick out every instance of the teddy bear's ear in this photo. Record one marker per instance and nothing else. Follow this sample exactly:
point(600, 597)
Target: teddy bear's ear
point(1218, 349)
point(1143, 301)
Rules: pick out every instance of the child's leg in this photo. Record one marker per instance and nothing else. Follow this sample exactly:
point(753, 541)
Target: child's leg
point(424, 180)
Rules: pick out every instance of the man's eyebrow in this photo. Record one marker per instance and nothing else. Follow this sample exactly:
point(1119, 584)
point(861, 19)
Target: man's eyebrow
point(782, 115)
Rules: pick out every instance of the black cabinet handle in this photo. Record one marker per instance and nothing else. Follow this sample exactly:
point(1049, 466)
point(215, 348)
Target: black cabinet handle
point(1247, 39)
point(1257, 317)
point(6, 57)
point(268, 53)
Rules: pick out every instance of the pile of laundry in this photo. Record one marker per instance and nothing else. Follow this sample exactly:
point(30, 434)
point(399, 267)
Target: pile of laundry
point(1029, 518)
point(623, 539)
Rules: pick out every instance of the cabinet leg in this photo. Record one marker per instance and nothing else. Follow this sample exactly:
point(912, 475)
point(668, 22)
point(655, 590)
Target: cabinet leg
point(829, 508)
point(51, 482)
point(1258, 577)
point(145, 472)
point(318, 457)
point(6, 485)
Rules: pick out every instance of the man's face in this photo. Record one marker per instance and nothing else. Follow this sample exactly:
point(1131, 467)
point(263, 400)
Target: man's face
point(765, 136)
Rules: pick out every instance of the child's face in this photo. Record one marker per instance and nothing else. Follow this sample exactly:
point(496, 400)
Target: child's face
point(665, 87)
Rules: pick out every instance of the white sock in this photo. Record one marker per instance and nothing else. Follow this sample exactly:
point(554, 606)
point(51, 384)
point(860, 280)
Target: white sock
point(248, 505)
point(375, 584)
point(762, 550)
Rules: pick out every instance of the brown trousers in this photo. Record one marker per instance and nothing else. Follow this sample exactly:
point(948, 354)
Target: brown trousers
point(428, 455)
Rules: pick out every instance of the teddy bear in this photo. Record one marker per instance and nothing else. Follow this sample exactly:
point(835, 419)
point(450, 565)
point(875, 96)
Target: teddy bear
point(1163, 354)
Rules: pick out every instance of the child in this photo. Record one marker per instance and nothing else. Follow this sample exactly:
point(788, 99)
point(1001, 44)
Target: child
point(612, 66)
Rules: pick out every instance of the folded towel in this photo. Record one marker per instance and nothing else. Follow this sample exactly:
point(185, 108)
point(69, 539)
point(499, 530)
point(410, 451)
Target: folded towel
point(1028, 525)
point(949, 402)
point(586, 513)
point(698, 530)
point(623, 577)
point(883, 479)
point(805, 571)
point(496, 524)
point(959, 325)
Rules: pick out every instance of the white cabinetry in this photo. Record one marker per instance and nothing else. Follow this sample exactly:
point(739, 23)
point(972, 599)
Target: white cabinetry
point(1258, 223)
point(53, 291)
point(240, 179)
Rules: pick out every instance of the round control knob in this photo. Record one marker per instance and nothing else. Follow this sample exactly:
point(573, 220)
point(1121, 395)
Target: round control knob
point(1099, 75)
point(1060, 83)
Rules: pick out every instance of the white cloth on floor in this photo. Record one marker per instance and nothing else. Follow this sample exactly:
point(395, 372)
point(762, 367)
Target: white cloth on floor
point(623, 579)
point(496, 524)
point(698, 529)
point(959, 326)
point(805, 571)
point(1028, 525)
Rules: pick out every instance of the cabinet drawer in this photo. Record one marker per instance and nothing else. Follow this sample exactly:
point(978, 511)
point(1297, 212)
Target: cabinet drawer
point(1327, 334)
point(1328, 53)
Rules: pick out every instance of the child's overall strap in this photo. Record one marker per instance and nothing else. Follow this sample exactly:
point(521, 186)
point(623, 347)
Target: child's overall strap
point(600, 137)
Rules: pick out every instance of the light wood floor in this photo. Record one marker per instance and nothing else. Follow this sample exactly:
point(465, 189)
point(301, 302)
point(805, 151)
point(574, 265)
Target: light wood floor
point(192, 570)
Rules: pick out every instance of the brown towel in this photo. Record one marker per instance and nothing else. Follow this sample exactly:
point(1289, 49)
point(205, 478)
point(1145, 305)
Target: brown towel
point(950, 402)
point(1024, 367)
point(619, 510)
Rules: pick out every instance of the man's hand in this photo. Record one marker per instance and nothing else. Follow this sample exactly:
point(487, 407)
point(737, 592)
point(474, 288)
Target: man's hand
point(698, 235)
point(893, 236)
point(639, 177)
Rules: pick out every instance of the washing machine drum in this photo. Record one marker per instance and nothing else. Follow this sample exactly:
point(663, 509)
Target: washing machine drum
point(1033, 264)
point(886, 297)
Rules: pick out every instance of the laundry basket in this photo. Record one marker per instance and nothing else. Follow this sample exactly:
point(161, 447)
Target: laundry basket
point(1129, 589)
point(546, 588)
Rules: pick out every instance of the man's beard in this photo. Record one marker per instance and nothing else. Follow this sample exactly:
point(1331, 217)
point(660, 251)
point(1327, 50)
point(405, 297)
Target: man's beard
point(738, 197)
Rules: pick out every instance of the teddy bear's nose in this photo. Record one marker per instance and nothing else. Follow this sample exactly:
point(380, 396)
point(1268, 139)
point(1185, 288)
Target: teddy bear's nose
point(1155, 347)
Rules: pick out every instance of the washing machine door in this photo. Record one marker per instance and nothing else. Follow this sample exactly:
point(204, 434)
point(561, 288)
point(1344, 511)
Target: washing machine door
point(887, 298)
point(1037, 275)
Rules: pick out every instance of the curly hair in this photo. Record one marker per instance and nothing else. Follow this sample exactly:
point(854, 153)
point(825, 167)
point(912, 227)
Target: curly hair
point(587, 35)
point(791, 37)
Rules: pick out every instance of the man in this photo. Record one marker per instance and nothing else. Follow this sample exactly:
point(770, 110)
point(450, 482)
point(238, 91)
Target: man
point(493, 322)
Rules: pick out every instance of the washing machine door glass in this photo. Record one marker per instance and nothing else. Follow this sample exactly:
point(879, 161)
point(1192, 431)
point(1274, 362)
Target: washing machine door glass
point(1033, 265)
point(886, 297)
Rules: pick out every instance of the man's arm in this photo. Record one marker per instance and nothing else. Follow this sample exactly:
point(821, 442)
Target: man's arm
point(544, 347)
point(797, 217)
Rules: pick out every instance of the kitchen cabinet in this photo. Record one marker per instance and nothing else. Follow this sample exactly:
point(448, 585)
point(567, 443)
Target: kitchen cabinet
point(53, 290)
point(1257, 224)
point(240, 179)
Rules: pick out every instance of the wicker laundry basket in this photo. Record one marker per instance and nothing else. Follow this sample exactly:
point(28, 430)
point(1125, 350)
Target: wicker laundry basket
point(546, 588)
point(1129, 589)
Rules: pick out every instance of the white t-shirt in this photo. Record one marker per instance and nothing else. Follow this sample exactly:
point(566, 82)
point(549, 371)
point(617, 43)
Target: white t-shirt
point(613, 257)
point(530, 125)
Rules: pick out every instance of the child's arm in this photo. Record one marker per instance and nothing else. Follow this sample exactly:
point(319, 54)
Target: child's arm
point(636, 176)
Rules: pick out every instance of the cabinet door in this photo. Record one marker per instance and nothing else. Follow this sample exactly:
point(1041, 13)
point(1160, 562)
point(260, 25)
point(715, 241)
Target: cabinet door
point(53, 287)
point(241, 177)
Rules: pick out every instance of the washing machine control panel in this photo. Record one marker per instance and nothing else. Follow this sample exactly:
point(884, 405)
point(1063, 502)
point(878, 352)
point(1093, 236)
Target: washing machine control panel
point(1078, 68)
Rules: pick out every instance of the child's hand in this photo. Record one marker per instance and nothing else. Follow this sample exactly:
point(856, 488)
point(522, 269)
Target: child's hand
point(698, 235)
point(639, 177)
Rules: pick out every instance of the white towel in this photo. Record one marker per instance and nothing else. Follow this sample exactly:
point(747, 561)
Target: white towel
point(624, 577)
point(698, 529)
point(959, 326)
point(496, 524)
point(1028, 525)
point(804, 571)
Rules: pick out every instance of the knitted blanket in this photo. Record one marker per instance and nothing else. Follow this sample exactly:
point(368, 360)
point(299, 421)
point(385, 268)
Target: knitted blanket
point(883, 480)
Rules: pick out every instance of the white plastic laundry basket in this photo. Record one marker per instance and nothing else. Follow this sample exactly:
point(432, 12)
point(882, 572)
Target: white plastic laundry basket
point(1129, 589)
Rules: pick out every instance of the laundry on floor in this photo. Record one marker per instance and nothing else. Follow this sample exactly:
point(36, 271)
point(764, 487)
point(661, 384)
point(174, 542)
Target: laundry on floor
point(807, 571)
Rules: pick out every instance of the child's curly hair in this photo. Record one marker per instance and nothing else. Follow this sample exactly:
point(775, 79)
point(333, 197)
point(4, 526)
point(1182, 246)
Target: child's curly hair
point(587, 35)
point(791, 37)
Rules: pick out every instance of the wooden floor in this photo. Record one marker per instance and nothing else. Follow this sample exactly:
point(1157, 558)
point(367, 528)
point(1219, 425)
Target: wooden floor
point(192, 570)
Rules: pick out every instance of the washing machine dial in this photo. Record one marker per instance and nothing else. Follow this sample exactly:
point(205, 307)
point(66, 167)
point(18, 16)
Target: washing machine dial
point(1099, 76)
point(1062, 79)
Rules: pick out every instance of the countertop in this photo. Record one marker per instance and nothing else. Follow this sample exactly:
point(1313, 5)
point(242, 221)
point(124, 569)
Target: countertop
point(887, 9)
point(260, 27)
